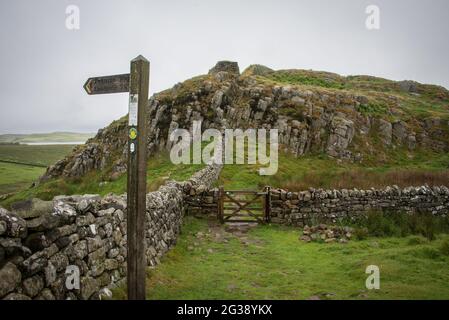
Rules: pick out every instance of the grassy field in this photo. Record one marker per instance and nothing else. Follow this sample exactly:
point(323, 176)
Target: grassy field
point(318, 171)
point(159, 170)
point(321, 171)
point(45, 137)
point(40, 155)
point(270, 262)
point(21, 165)
point(14, 177)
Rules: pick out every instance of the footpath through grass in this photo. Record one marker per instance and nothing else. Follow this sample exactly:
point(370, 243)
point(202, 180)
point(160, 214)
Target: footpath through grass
point(271, 263)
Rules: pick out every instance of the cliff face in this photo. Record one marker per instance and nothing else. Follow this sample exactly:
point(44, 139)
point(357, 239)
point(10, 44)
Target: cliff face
point(352, 118)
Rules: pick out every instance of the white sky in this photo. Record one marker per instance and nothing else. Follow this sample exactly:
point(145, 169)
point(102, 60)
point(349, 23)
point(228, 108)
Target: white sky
point(43, 65)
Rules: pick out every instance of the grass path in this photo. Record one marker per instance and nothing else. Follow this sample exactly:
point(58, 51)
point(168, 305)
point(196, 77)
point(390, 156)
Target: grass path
point(270, 263)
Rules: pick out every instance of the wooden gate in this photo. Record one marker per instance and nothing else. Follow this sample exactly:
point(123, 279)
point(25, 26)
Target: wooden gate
point(244, 206)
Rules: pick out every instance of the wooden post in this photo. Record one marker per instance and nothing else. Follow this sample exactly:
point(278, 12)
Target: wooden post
point(137, 83)
point(138, 99)
point(221, 204)
point(267, 204)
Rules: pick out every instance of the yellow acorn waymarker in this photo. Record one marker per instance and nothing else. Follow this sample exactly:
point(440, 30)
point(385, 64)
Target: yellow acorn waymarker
point(133, 133)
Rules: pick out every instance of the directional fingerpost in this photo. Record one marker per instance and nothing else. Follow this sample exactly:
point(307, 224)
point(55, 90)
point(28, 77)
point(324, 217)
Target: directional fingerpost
point(136, 83)
point(108, 84)
point(137, 177)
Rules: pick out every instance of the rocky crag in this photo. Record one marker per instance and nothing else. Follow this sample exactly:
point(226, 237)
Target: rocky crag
point(351, 118)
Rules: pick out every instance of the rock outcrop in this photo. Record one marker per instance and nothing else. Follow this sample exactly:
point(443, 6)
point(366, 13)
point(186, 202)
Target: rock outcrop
point(315, 115)
point(226, 66)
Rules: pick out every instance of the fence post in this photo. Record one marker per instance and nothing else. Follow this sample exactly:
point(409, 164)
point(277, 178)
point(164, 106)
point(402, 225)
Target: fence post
point(220, 204)
point(267, 204)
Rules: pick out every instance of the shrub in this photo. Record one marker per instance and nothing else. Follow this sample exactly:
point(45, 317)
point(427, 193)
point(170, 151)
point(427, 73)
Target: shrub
point(372, 108)
point(306, 79)
point(400, 224)
point(384, 225)
point(361, 233)
point(415, 240)
point(444, 248)
point(423, 224)
point(429, 253)
point(364, 179)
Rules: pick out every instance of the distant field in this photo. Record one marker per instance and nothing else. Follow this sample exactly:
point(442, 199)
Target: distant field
point(14, 177)
point(159, 170)
point(21, 165)
point(45, 137)
point(42, 155)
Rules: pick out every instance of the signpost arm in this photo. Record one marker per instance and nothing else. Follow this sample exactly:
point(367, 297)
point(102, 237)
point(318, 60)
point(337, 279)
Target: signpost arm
point(137, 146)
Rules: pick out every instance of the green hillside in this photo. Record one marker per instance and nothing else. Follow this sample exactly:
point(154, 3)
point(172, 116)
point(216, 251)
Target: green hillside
point(53, 137)
point(323, 172)
point(21, 165)
point(396, 99)
point(38, 155)
point(293, 173)
point(159, 170)
point(15, 177)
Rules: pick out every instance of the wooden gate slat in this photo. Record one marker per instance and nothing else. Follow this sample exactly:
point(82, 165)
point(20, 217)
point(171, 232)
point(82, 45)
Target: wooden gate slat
point(256, 209)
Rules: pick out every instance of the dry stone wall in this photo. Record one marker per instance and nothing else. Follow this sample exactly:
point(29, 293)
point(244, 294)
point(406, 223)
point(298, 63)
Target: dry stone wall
point(317, 205)
point(88, 232)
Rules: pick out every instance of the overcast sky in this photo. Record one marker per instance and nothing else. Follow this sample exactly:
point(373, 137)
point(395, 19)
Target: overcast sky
point(43, 65)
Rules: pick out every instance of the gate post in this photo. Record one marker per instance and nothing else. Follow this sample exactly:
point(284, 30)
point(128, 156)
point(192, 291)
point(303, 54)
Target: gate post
point(267, 204)
point(220, 204)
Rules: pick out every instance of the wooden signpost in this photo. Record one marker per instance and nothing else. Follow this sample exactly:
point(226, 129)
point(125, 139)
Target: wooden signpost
point(108, 84)
point(137, 83)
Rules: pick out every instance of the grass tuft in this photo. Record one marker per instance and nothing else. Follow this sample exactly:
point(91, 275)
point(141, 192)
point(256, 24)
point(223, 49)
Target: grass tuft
point(400, 224)
point(444, 248)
